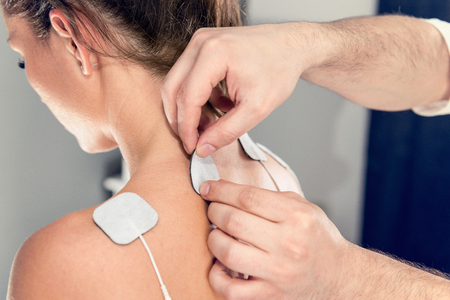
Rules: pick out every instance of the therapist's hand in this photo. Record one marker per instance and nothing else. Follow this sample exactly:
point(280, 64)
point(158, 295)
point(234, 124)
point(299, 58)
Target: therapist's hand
point(298, 253)
point(260, 67)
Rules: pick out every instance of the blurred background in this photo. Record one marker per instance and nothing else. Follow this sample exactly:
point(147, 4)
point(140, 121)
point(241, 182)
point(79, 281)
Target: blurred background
point(344, 155)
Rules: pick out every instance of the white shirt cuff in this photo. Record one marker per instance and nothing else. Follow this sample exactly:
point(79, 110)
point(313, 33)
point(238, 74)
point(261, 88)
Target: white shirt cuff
point(442, 107)
point(433, 109)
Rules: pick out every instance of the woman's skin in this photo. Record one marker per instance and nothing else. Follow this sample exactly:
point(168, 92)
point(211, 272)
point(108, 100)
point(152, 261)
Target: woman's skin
point(110, 103)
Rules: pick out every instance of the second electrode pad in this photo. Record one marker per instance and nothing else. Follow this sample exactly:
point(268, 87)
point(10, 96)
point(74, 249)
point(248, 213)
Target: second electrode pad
point(202, 169)
point(125, 217)
point(251, 148)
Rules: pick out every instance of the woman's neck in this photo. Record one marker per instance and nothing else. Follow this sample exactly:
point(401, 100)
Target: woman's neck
point(137, 123)
point(136, 118)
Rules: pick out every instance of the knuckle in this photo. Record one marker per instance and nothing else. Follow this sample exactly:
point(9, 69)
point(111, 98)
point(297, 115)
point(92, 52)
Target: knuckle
point(295, 248)
point(232, 223)
point(197, 38)
point(226, 135)
point(201, 34)
point(259, 109)
point(315, 209)
point(211, 44)
point(247, 198)
point(217, 190)
point(188, 99)
point(292, 195)
point(304, 216)
point(256, 110)
point(205, 38)
point(230, 256)
point(307, 221)
point(284, 273)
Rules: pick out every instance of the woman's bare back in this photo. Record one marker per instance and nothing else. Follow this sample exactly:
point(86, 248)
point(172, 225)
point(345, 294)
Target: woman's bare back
point(73, 259)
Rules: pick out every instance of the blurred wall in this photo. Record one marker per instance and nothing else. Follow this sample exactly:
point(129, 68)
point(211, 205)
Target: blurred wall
point(44, 175)
point(320, 135)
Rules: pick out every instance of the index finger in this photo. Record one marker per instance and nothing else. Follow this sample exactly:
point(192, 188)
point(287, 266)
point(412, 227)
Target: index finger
point(172, 83)
point(272, 206)
point(195, 91)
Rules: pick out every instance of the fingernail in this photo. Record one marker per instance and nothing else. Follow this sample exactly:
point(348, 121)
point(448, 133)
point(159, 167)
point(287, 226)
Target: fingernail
point(206, 150)
point(204, 189)
point(186, 149)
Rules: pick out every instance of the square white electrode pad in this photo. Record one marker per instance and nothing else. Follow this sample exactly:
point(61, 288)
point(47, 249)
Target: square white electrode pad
point(125, 217)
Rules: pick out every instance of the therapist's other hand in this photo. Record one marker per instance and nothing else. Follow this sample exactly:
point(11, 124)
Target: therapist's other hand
point(297, 251)
point(259, 66)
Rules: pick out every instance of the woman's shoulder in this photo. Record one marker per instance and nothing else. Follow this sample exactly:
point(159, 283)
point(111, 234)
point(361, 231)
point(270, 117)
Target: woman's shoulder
point(50, 257)
point(70, 258)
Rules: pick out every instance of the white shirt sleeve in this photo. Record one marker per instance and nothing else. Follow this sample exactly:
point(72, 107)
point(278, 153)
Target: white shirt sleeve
point(440, 107)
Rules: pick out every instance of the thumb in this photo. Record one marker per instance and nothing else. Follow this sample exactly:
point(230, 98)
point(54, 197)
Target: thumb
point(225, 131)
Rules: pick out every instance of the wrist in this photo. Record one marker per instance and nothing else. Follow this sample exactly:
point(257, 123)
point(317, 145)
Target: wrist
point(373, 275)
point(301, 43)
point(315, 45)
point(348, 281)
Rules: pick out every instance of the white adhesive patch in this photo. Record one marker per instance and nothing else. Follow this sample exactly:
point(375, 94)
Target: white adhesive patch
point(250, 147)
point(125, 217)
point(202, 169)
point(274, 156)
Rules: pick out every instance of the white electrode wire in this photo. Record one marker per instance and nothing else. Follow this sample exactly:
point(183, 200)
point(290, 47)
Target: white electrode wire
point(163, 287)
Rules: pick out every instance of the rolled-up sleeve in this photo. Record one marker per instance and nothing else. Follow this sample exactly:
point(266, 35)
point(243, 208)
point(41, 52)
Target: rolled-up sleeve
point(441, 107)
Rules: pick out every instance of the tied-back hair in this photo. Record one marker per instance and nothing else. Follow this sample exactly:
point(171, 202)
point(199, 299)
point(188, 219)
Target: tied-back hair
point(152, 33)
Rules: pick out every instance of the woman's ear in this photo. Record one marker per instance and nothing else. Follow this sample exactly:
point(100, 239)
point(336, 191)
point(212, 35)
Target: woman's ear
point(61, 25)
